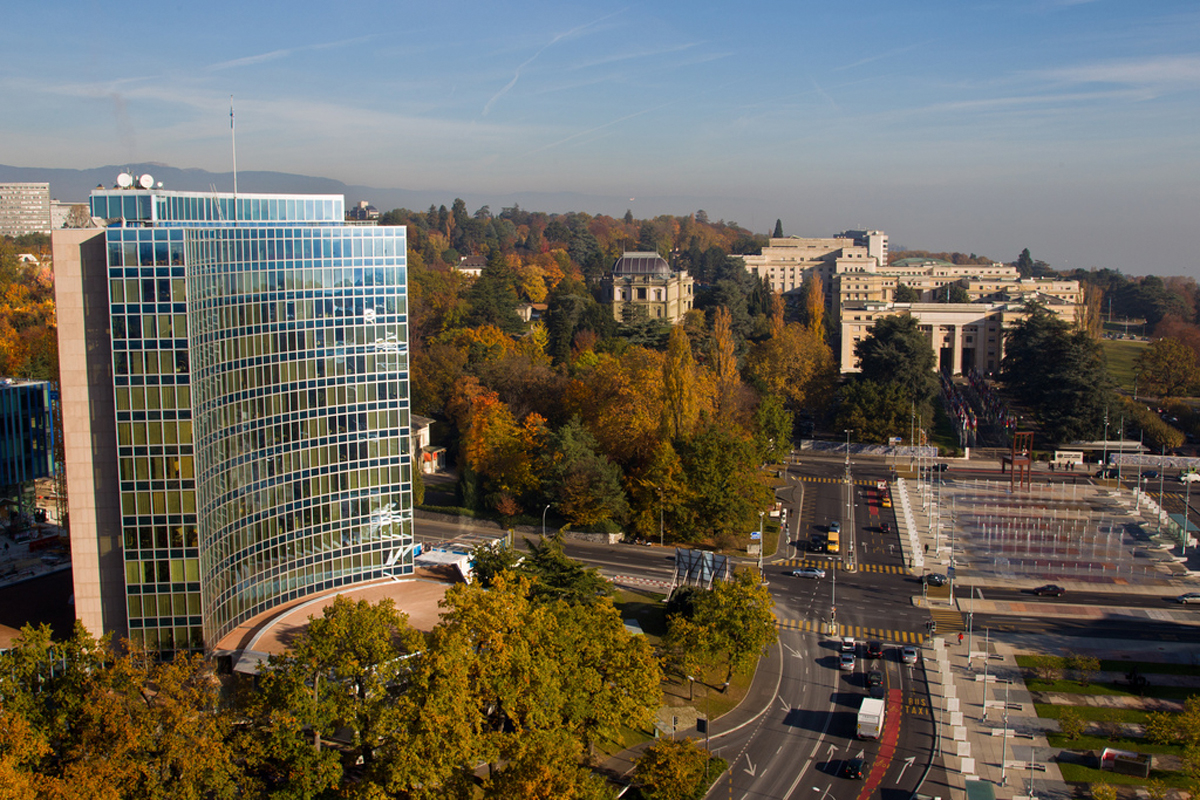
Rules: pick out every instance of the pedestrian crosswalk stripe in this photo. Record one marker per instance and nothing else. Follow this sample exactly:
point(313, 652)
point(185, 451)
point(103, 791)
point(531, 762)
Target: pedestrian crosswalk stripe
point(857, 631)
point(890, 569)
point(811, 479)
point(948, 620)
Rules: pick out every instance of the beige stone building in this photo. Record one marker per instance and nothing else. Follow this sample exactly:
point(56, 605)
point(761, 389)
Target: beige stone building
point(962, 335)
point(645, 283)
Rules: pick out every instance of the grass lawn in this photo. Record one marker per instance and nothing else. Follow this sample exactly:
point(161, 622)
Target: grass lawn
point(1120, 355)
point(1112, 689)
point(647, 608)
point(1077, 773)
point(705, 695)
point(1091, 713)
point(1144, 667)
point(944, 434)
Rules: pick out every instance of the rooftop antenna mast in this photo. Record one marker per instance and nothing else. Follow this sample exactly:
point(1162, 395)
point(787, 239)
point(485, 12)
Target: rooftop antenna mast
point(233, 140)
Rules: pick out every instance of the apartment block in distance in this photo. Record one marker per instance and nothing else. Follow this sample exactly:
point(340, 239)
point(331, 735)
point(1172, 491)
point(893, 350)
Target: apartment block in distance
point(24, 208)
point(235, 407)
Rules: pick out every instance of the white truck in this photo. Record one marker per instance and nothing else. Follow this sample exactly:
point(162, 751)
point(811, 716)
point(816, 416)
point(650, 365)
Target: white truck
point(870, 718)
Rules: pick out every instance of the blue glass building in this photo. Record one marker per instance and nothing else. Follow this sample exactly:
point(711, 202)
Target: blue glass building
point(259, 370)
point(26, 432)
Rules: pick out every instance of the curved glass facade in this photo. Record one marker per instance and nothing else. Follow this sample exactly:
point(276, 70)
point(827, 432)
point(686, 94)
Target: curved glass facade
point(261, 374)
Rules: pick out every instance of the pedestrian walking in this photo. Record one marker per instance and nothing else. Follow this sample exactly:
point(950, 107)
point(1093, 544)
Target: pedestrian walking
point(960, 637)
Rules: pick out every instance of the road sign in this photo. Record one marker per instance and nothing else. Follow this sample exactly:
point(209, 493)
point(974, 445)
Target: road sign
point(950, 573)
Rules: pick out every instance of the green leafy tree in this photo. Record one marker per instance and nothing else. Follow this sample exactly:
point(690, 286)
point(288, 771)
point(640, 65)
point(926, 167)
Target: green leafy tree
point(545, 765)
point(680, 395)
point(772, 429)
point(873, 411)
point(672, 769)
point(952, 293)
point(489, 561)
point(1084, 667)
point(1060, 373)
point(1071, 724)
point(1024, 264)
point(906, 294)
point(589, 488)
point(341, 670)
point(156, 729)
point(1101, 790)
point(739, 616)
point(897, 351)
point(1167, 369)
point(778, 234)
point(659, 495)
point(557, 576)
point(724, 487)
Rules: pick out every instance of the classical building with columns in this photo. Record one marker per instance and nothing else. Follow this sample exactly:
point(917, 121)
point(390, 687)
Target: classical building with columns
point(962, 335)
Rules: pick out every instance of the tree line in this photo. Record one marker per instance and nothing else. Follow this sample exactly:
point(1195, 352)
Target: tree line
point(527, 670)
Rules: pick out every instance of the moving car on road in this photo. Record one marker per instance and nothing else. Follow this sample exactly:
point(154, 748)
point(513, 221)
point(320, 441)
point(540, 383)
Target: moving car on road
point(808, 572)
point(849, 644)
point(935, 579)
point(874, 650)
point(1190, 597)
point(908, 654)
point(846, 662)
point(852, 768)
point(1050, 590)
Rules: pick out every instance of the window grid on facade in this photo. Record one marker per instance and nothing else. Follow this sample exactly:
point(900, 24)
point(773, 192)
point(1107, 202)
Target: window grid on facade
point(261, 389)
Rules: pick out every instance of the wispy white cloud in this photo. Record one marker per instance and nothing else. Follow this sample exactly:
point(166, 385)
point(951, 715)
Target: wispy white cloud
point(1155, 71)
point(881, 56)
point(285, 52)
point(555, 40)
point(635, 54)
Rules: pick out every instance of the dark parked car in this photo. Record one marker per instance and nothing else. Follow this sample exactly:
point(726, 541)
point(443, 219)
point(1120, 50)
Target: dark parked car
point(1107, 472)
point(885, 527)
point(935, 579)
point(1149, 474)
point(1050, 590)
point(852, 768)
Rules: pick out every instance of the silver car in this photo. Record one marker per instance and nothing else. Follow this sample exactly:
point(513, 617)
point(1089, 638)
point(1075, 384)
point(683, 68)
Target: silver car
point(808, 572)
point(908, 654)
point(1190, 597)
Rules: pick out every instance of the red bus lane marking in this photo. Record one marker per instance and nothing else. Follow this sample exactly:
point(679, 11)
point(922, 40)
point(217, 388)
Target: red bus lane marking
point(887, 744)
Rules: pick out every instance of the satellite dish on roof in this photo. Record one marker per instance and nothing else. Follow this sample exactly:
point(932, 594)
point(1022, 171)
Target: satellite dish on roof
point(146, 181)
point(124, 180)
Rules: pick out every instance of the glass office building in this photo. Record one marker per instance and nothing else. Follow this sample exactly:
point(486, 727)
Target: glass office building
point(260, 370)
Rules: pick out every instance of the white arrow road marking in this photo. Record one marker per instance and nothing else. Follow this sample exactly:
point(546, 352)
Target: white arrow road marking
point(752, 768)
point(795, 653)
point(908, 762)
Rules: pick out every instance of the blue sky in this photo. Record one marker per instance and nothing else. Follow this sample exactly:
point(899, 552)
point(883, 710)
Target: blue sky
point(1070, 126)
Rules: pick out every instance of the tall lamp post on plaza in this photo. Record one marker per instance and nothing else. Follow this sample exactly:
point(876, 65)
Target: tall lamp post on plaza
point(849, 520)
point(544, 510)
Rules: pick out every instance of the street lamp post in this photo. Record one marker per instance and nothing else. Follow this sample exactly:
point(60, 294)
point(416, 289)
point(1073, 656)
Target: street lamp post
point(1004, 751)
point(544, 510)
point(849, 515)
point(660, 516)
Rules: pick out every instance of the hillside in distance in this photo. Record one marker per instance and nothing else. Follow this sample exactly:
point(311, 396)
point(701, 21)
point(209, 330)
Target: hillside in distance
point(74, 185)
